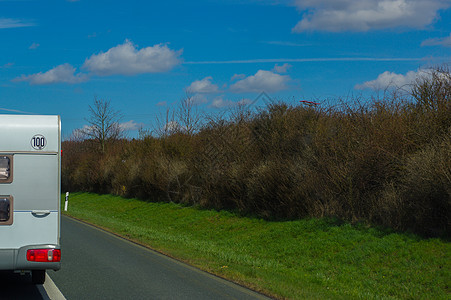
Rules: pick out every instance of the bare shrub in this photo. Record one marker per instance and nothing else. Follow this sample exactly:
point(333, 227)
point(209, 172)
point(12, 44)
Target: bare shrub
point(426, 187)
point(384, 160)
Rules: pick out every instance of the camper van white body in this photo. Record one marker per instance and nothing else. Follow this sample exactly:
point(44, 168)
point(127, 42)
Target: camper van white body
point(30, 191)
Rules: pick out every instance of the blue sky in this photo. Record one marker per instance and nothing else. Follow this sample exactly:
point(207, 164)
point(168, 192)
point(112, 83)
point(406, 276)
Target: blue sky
point(144, 56)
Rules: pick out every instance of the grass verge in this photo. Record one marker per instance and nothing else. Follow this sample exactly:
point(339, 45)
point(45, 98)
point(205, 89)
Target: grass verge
point(313, 259)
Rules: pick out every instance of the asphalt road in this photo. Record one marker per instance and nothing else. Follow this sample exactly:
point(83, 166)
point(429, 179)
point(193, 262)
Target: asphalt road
point(16, 286)
point(99, 265)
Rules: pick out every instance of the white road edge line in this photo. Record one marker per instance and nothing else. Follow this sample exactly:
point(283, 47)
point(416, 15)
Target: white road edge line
point(49, 290)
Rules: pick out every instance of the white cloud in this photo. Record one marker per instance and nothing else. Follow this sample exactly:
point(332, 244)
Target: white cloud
point(364, 15)
point(123, 59)
point(64, 73)
point(14, 23)
point(172, 127)
point(78, 134)
point(282, 69)
point(198, 99)
point(219, 102)
point(33, 46)
point(393, 80)
point(203, 86)
point(237, 76)
point(446, 41)
point(7, 65)
point(126, 59)
point(262, 81)
point(245, 101)
point(130, 125)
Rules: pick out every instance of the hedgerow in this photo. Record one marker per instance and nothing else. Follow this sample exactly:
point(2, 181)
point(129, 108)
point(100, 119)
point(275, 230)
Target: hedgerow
point(383, 160)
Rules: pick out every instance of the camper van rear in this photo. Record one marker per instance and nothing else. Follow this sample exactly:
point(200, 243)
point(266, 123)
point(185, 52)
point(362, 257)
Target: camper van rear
point(30, 167)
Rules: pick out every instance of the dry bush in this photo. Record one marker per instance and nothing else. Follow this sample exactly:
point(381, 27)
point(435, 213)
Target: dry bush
point(426, 187)
point(383, 160)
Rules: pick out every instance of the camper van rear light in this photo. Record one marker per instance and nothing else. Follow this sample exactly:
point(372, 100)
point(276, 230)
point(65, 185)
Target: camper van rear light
point(44, 255)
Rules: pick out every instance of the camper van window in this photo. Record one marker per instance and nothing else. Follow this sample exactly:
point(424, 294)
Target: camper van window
point(5, 168)
point(5, 209)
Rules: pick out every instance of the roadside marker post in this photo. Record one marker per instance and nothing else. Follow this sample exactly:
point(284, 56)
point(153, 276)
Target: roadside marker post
point(66, 202)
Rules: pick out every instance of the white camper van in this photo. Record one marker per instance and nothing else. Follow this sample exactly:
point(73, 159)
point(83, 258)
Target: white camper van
point(30, 167)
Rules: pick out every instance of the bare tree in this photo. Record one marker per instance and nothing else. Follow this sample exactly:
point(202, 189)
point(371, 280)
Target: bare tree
point(432, 89)
point(103, 123)
point(188, 116)
point(185, 118)
point(164, 124)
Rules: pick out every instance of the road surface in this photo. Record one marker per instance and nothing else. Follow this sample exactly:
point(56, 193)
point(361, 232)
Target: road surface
point(99, 265)
point(17, 286)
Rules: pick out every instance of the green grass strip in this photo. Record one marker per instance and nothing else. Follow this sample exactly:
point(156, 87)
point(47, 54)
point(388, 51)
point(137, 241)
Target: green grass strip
point(304, 259)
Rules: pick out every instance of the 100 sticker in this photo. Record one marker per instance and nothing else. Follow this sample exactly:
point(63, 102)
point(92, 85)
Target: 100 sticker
point(38, 142)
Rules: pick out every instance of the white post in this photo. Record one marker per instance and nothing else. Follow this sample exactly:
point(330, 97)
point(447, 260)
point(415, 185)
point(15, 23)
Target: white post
point(67, 201)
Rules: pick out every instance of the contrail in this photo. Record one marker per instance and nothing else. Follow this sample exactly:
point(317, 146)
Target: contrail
point(281, 60)
point(17, 111)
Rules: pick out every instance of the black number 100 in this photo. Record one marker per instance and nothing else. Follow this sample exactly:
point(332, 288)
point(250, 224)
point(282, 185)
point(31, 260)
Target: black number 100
point(38, 142)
